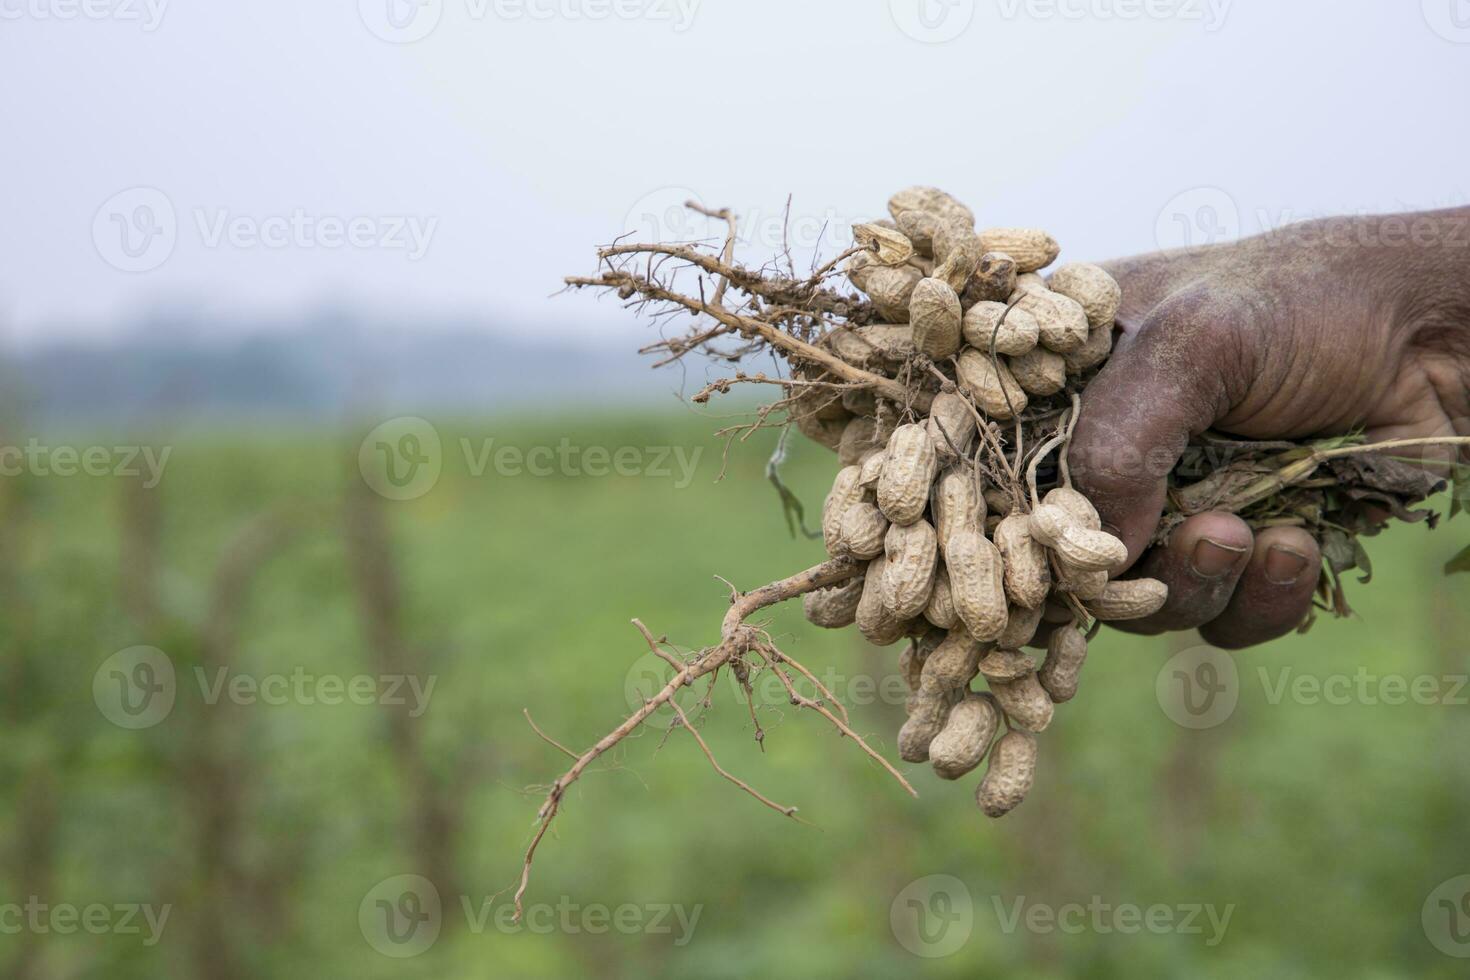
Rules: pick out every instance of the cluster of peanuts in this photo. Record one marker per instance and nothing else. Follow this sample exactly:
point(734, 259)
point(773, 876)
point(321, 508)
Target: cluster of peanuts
point(968, 572)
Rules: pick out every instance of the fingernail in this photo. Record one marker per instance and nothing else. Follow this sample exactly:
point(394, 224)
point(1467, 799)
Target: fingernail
point(1213, 559)
point(1284, 566)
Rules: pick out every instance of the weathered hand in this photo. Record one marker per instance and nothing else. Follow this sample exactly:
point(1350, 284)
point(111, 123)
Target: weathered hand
point(1319, 329)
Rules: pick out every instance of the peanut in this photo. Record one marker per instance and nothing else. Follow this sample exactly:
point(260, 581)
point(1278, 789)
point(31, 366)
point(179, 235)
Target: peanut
point(1003, 665)
point(861, 531)
point(1065, 652)
point(1021, 626)
point(1010, 775)
point(1060, 321)
point(919, 227)
point(1130, 599)
point(940, 611)
point(911, 661)
point(1096, 350)
point(1084, 585)
point(823, 432)
point(952, 665)
point(1039, 371)
point(965, 738)
point(872, 467)
point(928, 710)
point(889, 287)
point(990, 384)
point(951, 425)
point(1024, 701)
point(956, 503)
point(888, 246)
point(844, 493)
point(908, 471)
point(1029, 281)
point(879, 626)
point(1093, 287)
point(1031, 248)
point(976, 581)
point(934, 312)
point(1078, 506)
point(1013, 336)
point(860, 401)
point(994, 280)
point(908, 577)
point(1084, 549)
point(930, 199)
point(1027, 574)
point(835, 607)
point(860, 436)
point(958, 251)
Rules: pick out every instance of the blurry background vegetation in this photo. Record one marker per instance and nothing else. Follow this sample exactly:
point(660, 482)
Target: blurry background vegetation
point(265, 826)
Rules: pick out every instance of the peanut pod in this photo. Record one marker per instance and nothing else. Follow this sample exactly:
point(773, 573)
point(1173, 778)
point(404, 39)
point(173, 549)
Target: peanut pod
point(844, 493)
point(1060, 321)
point(908, 472)
point(1131, 599)
point(1027, 574)
point(976, 581)
point(1032, 248)
point(1024, 701)
point(834, 607)
point(1013, 333)
point(862, 531)
point(965, 739)
point(951, 425)
point(908, 578)
point(1010, 775)
point(934, 313)
point(1092, 287)
point(940, 611)
point(993, 281)
point(990, 384)
point(1001, 666)
point(1065, 652)
point(928, 709)
point(952, 665)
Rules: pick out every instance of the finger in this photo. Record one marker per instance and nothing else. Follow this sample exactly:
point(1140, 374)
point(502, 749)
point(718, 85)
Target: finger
point(1201, 565)
point(1160, 387)
point(1274, 594)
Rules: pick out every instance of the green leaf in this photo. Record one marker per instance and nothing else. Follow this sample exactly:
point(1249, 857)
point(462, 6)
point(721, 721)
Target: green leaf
point(791, 507)
point(1459, 490)
point(1459, 563)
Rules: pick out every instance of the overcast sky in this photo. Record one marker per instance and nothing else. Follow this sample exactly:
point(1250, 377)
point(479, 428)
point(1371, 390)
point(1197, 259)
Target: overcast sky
point(459, 156)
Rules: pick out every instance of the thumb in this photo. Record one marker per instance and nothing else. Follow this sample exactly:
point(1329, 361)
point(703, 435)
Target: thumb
point(1167, 380)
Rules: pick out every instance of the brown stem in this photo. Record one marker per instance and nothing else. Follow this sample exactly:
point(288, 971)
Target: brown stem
point(735, 639)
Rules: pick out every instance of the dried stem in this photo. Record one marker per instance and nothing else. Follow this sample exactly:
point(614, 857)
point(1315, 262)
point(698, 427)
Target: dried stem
point(736, 640)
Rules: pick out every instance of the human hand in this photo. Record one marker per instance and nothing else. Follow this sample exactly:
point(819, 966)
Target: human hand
point(1319, 329)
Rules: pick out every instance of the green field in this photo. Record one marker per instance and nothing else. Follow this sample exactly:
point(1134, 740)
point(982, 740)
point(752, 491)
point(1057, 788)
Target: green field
point(1320, 824)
